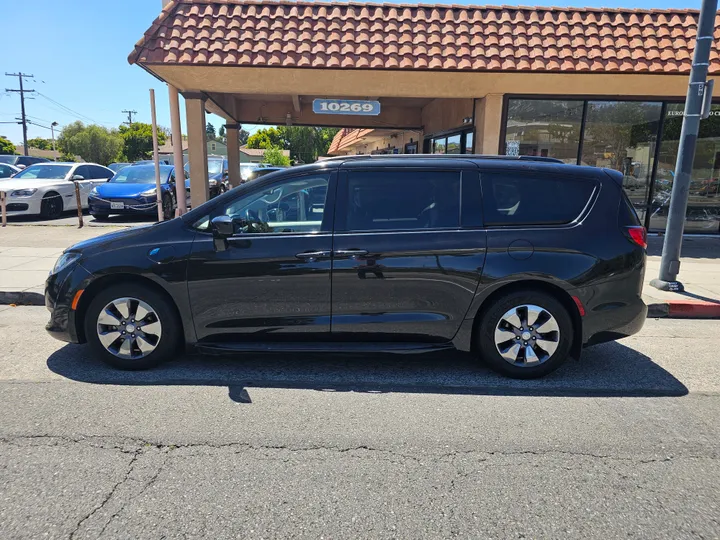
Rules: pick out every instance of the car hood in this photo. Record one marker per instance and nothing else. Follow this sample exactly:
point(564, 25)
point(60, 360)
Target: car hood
point(9, 184)
point(102, 241)
point(113, 189)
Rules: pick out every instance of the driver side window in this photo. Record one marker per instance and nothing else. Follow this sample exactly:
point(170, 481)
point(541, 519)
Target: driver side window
point(292, 205)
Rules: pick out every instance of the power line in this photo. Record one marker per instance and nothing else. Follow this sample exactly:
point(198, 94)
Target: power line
point(22, 93)
point(68, 109)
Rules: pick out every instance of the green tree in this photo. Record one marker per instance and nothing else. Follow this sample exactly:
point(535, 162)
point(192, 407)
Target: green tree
point(6, 147)
point(93, 143)
point(307, 143)
point(267, 138)
point(137, 141)
point(40, 144)
point(243, 137)
point(221, 133)
point(274, 156)
point(210, 132)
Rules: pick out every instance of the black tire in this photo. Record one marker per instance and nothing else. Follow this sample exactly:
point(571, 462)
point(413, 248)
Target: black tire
point(100, 217)
point(491, 318)
point(51, 206)
point(168, 207)
point(165, 347)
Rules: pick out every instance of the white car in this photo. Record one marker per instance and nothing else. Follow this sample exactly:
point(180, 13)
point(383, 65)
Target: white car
point(48, 189)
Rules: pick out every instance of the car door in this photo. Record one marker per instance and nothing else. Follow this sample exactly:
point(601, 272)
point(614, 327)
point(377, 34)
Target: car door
point(405, 267)
point(271, 280)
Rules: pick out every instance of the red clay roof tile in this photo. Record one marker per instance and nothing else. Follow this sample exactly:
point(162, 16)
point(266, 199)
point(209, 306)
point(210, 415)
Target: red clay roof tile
point(421, 37)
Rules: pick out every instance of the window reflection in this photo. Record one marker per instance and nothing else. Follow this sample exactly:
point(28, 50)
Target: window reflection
point(544, 128)
point(621, 135)
point(703, 213)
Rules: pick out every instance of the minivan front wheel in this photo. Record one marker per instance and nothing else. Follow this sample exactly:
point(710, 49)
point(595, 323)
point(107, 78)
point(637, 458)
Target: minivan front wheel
point(525, 334)
point(132, 327)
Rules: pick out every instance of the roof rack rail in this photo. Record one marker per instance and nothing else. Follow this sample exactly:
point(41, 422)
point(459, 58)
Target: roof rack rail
point(445, 156)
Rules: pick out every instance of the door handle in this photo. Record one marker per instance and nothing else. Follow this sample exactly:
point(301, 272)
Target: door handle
point(351, 253)
point(311, 256)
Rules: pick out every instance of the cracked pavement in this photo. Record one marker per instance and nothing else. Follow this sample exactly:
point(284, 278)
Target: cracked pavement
point(622, 444)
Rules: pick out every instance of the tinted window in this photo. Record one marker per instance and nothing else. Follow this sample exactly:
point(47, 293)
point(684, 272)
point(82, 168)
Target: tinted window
point(9, 159)
point(139, 174)
point(6, 171)
point(98, 173)
point(519, 199)
point(292, 205)
point(402, 200)
point(84, 171)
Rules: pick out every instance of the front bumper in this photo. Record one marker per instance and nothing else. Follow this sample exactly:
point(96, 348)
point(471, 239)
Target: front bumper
point(60, 289)
point(134, 205)
point(23, 206)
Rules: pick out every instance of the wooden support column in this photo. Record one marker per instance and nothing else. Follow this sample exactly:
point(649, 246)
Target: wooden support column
point(197, 148)
point(232, 132)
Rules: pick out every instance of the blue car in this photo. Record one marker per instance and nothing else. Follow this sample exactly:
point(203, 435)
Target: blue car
point(132, 191)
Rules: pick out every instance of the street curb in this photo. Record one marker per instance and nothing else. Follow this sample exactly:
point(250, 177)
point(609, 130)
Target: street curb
point(684, 309)
point(22, 298)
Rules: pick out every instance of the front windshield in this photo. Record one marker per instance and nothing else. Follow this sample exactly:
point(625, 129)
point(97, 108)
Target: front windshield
point(215, 166)
point(8, 159)
point(246, 169)
point(138, 175)
point(45, 172)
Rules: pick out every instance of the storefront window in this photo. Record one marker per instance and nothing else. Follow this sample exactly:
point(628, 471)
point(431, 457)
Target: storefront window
point(469, 148)
point(621, 135)
point(545, 128)
point(439, 145)
point(453, 144)
point(703, 213)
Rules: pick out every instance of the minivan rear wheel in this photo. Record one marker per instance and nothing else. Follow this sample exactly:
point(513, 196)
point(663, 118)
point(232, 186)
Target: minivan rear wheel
point(132, 327)
point(525, 334)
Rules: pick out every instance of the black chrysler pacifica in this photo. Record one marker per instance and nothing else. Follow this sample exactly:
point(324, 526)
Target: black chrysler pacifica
point(518, 261)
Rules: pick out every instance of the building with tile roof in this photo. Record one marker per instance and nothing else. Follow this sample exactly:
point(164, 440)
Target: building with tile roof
point(600, 87)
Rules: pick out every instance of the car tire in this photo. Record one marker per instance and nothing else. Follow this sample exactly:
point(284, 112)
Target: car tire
point(100, 217)
point(51, 206)
point(503, 329)
point(160, 341)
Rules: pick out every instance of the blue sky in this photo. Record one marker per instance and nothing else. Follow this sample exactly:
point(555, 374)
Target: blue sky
point(77, 51)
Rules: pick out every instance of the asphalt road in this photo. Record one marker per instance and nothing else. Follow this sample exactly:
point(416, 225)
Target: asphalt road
point(621, 444)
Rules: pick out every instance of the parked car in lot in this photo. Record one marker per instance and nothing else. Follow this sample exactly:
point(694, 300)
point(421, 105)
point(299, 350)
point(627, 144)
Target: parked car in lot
point(6, 171)
point(48, 189)
point(115, 167)
point(22, 161)
point(519, 261)
point(132, 190)
point(247, 169)
point(217, 175)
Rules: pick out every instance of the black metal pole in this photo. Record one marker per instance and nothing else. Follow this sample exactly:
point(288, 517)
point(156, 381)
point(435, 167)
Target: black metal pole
point(670, 264)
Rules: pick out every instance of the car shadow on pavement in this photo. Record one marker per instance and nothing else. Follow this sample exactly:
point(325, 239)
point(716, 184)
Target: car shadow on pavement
point(608, 370)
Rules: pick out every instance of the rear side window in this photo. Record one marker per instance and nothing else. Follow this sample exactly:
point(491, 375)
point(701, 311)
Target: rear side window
point(530, 199)
point(402, 200)
point(627, 215)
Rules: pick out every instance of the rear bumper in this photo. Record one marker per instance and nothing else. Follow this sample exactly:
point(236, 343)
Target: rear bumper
point(614, 322)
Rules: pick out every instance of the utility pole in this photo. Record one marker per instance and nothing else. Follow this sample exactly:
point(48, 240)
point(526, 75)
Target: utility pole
point(52, 132)
point(22, 93)
point(697, 106)
point(130, 115)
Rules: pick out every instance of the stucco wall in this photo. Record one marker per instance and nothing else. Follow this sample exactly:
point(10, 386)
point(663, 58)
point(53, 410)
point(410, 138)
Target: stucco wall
point(445, 114)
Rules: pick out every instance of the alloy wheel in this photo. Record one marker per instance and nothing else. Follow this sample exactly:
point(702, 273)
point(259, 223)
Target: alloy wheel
point(527, 335)
point(129, 328)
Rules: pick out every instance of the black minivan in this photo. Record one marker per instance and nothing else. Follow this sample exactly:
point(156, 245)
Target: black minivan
point(519, 261)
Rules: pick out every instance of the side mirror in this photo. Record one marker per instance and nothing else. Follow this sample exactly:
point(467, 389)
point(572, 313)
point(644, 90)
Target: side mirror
point(222, 228)
point(77, 177)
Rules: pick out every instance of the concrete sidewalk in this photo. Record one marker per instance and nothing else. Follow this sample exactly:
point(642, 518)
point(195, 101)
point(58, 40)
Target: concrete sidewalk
point(28, 253)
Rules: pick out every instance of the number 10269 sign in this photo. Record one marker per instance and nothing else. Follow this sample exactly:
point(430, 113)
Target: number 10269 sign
point(346, 106)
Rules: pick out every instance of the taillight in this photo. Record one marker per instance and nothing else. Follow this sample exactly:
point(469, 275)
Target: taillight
point(638, 235)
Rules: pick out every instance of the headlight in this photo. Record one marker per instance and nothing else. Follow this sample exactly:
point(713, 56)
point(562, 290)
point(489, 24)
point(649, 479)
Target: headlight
point(65, 260)
point(149, 192)
point(23, 192)
point(213, 182)
point(94, 192)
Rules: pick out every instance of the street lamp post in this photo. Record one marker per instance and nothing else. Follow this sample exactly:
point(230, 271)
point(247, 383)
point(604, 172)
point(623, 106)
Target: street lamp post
point(52, 132)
